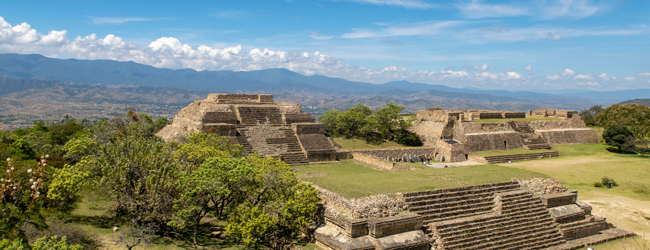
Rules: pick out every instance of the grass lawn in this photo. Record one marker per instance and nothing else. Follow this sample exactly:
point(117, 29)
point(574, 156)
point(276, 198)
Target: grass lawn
point(360, 144)
point(580, 165)
point(351, 180)
point(515, 119)
point(510, 152)
point(630, 243)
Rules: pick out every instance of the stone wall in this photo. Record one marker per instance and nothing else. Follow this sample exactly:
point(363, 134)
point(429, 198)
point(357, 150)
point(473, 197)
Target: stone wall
point(258, 138)
point(555, 113)
point(489, 115)
point(240, 98)
point(402, 154)
point(433, 115)
point(513, 158)
point(569, 136)
point(542, 186)
point(375, 206)
point(430, 131)
point(291, 118)
point(381, 164)
point(492, 141)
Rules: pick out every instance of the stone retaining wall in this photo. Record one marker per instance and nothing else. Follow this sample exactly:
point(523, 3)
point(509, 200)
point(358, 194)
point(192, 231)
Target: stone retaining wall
point(375, 206)
point(381, 164)
point(403, 154)
point(512, 158)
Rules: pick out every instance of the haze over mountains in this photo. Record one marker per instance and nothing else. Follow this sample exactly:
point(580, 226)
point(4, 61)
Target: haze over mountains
point(31, 79)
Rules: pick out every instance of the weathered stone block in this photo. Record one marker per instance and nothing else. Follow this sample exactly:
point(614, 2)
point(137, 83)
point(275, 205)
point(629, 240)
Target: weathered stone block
point(350, 227)
point(413, 240)
point(394, 225)
point(555, 200)
point(334, 239)
point(566, 214)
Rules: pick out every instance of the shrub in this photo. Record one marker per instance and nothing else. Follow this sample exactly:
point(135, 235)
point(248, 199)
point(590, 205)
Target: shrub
point(73, 234)
point(605, 179)
point(597, 184)
point(408, 138)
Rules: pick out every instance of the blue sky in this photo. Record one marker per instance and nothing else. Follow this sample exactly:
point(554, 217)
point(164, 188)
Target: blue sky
point(528, 45)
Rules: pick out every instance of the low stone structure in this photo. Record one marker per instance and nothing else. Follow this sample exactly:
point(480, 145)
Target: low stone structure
point(534, 214)
point(456, 137)
point(512, 158)
point(555, 113)
point(260, 125)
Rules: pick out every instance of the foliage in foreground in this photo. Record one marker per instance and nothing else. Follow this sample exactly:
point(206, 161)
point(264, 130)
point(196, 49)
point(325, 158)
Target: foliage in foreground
point(44, 243)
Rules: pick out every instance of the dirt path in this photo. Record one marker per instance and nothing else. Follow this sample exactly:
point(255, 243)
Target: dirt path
point(623, 212)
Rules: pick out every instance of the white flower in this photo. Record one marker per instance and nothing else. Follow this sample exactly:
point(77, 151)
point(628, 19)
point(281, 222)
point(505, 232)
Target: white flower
point(8, 159)
point(12, 168)
point(47, 156)
point(29, 170)
point(30, 180)
point(8, 170)
point(36, 182)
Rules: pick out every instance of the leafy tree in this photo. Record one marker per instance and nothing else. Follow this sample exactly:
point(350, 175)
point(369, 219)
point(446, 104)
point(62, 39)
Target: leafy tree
point(354, 121)
point(617, 136)
point(589, 115)
point(202, 146)
point(276, 205)
point(389, 122)
point(330, 119)
point(635, 116)
point(408, 138)
point(212, 189)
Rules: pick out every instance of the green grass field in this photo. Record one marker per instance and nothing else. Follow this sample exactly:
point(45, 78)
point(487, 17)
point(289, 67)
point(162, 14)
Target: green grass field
point(360, 144)
point(510, 152)
point(352, 180)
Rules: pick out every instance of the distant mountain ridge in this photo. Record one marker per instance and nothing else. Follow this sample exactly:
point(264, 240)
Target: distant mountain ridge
point(638, 101)
point(278, 81)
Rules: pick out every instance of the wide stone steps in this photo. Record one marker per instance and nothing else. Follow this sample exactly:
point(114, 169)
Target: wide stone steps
point(515, 220)
point(294, 158)
point(417, 195)
point(461, 204)
point(292, 141)
point(254, 115)
point(504, 238)
point(427, 199)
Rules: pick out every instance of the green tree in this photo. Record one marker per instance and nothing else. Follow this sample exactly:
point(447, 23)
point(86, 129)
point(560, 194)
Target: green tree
point(635, 116)
point(589, 115)
point(212, 189)
point(355, 121)
point(617, 136)
point(330, 119)
point(276, 205)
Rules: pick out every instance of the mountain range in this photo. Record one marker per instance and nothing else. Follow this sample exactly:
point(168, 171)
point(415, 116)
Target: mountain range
point(129, 83)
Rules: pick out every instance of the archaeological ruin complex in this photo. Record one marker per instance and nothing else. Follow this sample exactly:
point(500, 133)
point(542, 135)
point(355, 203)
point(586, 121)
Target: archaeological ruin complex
point(532, 214)
point(259, 124)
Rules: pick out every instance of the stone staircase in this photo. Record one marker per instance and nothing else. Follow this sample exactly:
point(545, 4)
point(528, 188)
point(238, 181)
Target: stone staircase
point(531, 140)
point(294, 155)
point(492, 216)
point(242, 139)
point(261, 115)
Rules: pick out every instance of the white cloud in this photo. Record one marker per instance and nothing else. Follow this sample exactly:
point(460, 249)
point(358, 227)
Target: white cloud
point(528, 68)
point(316, 36)
point(592, 84)
point(604, 77)
point(630, 78)
point(555, 77)
point(411, 4)
point(583, 77)
point(644, 74)
point(570, 8)
point(480, 67)
point(553, 36)
point(228, 13)
point(414, 29)
point(568, 72)
point(116, 20)
point(476, 9)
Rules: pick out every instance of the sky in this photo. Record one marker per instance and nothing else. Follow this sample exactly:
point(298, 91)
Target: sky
point(512, 45)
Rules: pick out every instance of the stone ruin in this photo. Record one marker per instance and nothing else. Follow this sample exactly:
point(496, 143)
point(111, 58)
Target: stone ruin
point(533, 214)
point(260, 125)
point(453, 134)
